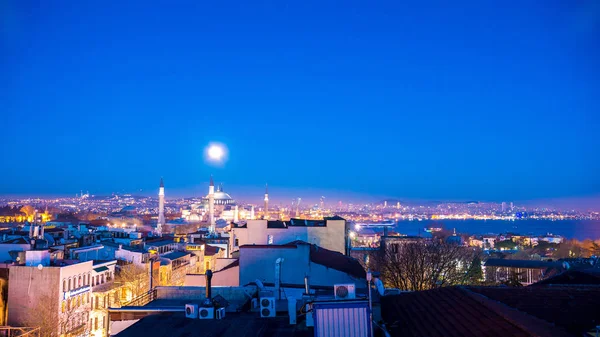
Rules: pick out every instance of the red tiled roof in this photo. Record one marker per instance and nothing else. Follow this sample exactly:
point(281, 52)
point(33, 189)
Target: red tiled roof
point(337, 261)
point(235, 263)
point(571, 307)
point(590, 276)
point(210, 250)
point(456, 312)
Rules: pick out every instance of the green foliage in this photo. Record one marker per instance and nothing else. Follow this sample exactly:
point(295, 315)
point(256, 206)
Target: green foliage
point(475, 272)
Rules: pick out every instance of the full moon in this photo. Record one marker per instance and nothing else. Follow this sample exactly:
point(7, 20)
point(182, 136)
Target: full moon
point(215, 152)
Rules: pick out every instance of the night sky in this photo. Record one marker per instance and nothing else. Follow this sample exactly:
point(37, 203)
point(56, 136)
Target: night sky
point(478, 100)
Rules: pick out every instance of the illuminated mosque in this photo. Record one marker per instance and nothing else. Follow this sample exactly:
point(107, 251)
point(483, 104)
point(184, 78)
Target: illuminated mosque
point(216, 205)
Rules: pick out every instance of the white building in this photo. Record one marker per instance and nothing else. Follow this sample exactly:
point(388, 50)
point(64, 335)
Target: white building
point(58, 293)
point(322, 266)
point(330, 233)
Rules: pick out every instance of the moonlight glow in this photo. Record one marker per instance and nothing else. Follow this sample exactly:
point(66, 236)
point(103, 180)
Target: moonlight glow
point(216, 153)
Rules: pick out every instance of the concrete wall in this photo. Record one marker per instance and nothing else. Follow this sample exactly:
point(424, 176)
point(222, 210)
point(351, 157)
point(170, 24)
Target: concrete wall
point(224, 278)
point(26, 286)
point(221, 263)
point(332, 236)
point(198, 293)
point(259, 263)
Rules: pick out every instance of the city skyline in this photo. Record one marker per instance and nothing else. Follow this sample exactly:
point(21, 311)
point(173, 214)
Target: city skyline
point(484, 103)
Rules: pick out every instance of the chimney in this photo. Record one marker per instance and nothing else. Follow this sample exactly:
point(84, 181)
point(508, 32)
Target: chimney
point(208, 276)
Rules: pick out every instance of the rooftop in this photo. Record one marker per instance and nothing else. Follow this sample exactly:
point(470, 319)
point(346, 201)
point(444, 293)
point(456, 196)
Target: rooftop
point(589, 277)
point(533, 264)
point(456, 311)
point(175, 255)
point(234, 325)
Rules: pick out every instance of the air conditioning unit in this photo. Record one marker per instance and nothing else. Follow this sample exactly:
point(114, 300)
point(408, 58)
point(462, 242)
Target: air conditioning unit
point(206, 313)
point(344, 291)
point(220, 313)
point(267, 307)
point(191, 311)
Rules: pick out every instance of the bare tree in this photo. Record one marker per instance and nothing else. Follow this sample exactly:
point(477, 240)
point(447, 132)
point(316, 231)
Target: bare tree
point(55, 321)
point(134, 278)
point(424, 265)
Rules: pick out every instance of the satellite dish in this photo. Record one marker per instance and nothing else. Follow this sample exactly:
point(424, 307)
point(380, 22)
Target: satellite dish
point(40, 266)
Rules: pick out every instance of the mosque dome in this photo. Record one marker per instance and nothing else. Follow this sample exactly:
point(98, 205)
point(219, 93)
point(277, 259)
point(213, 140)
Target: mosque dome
point(222, 198)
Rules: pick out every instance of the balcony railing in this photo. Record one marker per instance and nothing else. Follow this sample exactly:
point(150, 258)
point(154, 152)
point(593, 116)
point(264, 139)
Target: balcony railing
point(142, 300)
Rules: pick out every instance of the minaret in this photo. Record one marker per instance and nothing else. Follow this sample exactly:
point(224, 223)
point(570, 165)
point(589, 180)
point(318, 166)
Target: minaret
point(161, 208)
point(267, 202)
point(252, 212)
point(211, 205)
point(236, 214)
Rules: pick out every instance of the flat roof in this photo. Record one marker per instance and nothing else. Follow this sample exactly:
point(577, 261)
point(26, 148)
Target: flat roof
point(233, 325)
point(175, 255)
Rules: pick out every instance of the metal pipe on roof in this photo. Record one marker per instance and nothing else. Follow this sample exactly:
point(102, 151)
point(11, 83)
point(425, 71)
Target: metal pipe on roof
point(208, 276)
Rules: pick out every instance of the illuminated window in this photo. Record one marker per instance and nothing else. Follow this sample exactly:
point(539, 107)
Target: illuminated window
point(207, 265)
point(96, 323)
point(63, 306)
point(64, 285)
point(80, 283)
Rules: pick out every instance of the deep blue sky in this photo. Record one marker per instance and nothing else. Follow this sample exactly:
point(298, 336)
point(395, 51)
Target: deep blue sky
point(488, 100)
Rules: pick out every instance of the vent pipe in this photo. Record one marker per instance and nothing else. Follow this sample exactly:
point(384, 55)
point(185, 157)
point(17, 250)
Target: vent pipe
point(278, 263)
point(208, 276)
point(306, 285)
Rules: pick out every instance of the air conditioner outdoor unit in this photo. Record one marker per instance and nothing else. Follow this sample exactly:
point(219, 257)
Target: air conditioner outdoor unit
point(220, 313)
point(191, 311)
point(206, 313)
point(267, 307)
point(344, 291)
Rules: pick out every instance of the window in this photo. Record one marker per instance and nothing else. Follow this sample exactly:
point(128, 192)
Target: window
point(103, 322)
point(96, 323)
point(70, 284)
point(207, 265)
point(64, 285)
point(236, 242)
point(92, 301)
point(63, 306)
point(93, 281)
point(80, 283)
